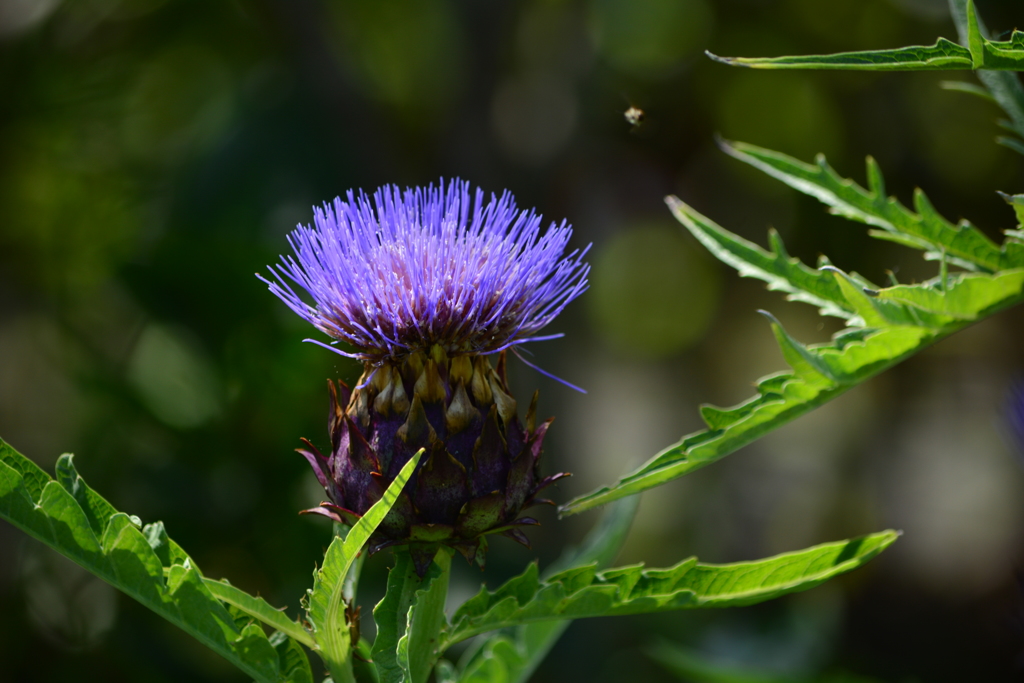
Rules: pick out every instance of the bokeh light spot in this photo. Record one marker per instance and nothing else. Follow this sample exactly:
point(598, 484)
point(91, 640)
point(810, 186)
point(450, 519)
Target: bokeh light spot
point(781, 111)
point(533, 117)
point(651, 293)
point(174, 379)
point(181, 102)
point(649, 38)
point(405, 54)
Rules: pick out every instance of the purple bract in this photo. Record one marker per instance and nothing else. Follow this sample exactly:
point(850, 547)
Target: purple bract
point(409, 269)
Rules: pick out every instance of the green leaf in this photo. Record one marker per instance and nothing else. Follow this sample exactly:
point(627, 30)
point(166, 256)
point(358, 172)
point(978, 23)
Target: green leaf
point(143, 562)
point(326, 611)
point(776, 267)
point(967, 297)
point(325, 603)
point(419, 648)
point(991, 60)
point(362, 665)
point(943, 55)
point(368, 523)
point(781, 398)
point(500, 660)
point(1004, 87)
point(293, 659)
point(886, 325)
point(975, 41)
point(923, 229)
point(969, 88)
point(258, 608)
point(391, 615)
point(585, 592)
point(513, 655)
point(1017, 202)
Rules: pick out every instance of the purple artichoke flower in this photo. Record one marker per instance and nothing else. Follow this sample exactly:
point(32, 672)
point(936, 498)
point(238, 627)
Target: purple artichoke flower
point(425, 285)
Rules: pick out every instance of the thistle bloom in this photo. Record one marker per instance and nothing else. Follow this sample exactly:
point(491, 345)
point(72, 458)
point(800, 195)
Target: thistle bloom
point(424, 286)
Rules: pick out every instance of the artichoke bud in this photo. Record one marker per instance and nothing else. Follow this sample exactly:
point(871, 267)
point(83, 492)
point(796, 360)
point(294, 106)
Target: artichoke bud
point(479, 470)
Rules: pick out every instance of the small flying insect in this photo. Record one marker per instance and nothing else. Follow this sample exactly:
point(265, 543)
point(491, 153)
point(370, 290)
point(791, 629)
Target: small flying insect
point(634, 117)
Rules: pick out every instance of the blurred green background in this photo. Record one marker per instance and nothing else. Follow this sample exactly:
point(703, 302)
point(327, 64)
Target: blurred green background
point(153, 155)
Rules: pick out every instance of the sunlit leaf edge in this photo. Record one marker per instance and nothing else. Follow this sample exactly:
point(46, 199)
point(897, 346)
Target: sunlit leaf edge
point(944, 55)
point(584, 591)
point(141, 561)
point(325, 604)
point(887, 325)
point(513, 654)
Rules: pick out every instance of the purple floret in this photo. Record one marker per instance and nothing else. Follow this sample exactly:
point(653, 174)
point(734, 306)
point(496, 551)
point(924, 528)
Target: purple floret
point(410, 269)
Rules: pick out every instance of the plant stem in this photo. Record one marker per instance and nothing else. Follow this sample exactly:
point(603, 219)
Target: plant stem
point(426, 620)
point(352, 577)
point(1005, 87)
point(410, 618)
point(336, 647)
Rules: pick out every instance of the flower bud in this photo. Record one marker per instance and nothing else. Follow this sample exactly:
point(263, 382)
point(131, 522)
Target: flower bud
point(480, 466)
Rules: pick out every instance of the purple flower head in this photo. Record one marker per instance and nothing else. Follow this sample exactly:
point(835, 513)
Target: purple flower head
point(409, 269)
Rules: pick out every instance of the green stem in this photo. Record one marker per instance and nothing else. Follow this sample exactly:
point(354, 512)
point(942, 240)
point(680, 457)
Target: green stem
point(426, 621)
point(1005, 87)
point(335, 641)
point(410, 619)
point(352, 577)
point(337, 654)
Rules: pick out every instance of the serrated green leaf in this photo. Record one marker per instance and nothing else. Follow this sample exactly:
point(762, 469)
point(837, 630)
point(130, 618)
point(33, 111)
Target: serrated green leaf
point(886, 324)
point(258, 608)
point(582, 592)
point(969, 88)
point(326, 607)
point(368, 523)
point(392, 613)
point(1005, 87)
point(499, 661)
point(80, 524)
point(419, 647)
point(924, 228)
point(1017, 202)
point(325, 611)
point(293, 660)
point(991, 60)
point(967, 296)
point(944, 55)
point(513, 655)
point(776, 267)
point(1011, 143)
